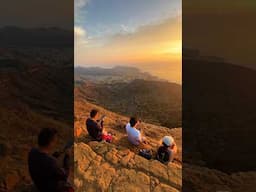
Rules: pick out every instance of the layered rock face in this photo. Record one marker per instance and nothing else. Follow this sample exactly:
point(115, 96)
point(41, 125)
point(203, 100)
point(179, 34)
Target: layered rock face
point(202, 179)
point(101, 166)
point(106, 167)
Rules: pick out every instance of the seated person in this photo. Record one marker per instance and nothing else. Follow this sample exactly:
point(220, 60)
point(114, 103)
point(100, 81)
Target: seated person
point(43, 168)
point(95, 129)
point(134, 135)
point(167, 151)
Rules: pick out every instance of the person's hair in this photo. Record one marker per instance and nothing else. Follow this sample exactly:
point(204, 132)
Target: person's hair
point(93, 113)
point(165, 145)
point(133, 121)
point(46, 136)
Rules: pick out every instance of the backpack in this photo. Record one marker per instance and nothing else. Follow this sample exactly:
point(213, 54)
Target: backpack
point(163, 154)
point(145, 153)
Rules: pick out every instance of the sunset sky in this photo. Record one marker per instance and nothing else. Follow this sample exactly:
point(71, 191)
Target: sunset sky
point(145, 34)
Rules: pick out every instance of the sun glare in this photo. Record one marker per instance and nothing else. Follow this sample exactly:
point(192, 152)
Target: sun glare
point(174, 49)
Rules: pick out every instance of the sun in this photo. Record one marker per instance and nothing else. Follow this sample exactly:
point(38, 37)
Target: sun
point(174, 49)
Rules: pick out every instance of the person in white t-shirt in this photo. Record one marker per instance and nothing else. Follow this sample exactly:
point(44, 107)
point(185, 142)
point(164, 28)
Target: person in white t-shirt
point(134, 135)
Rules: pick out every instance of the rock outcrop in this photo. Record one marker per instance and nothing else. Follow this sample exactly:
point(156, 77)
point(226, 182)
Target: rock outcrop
point(117, 167)
point(101, 166)
point(203, 179)
point(106, 167)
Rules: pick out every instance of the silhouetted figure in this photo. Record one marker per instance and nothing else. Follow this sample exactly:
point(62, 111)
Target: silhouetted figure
point(43, 168)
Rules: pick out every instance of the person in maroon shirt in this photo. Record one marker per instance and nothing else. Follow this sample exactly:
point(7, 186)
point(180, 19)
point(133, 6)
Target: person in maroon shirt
point(94, 126)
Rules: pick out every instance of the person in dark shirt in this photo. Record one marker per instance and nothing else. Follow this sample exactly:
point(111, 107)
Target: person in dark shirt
point(94, 126)
point(167, 151)
point(43, 168)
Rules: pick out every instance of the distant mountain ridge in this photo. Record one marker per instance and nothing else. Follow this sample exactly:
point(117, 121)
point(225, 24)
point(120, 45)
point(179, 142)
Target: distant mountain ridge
point(116, 74)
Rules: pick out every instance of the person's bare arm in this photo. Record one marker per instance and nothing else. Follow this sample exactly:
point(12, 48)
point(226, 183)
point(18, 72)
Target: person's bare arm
point(174, 150)
point(141, 138)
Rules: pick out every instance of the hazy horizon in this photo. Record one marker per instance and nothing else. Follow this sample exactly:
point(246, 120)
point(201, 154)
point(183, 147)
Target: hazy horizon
point(160, 73)
point(144, 34)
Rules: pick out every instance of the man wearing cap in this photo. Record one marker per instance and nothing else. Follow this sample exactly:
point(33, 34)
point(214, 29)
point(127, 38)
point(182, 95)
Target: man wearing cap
point(167, 150)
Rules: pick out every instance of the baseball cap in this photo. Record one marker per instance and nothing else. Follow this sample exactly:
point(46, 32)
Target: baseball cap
point(168, 140)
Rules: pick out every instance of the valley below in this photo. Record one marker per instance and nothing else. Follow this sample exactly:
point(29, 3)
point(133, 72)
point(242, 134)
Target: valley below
point(140, 94)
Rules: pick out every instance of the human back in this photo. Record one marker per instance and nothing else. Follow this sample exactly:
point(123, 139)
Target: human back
point(164, 154)
point(44, 170)
point(134, 135)
point(40, 168)
point(93, 126)
point(167, 150)
point(93, 129)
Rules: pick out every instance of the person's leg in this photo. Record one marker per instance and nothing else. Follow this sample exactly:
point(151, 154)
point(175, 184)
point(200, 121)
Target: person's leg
point(137, 148)
point(145, 146)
